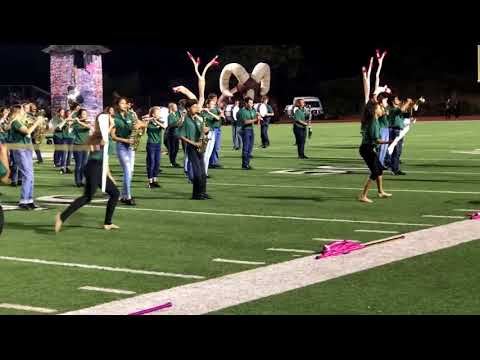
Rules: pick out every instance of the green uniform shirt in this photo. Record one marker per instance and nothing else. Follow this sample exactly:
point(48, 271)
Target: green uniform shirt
point(123, 126)
point(80, 133)
point(393, 112)
point(16, 137)
point(244, 115)
point(209, 119)
point(384, 121)
point(97, 154)
point(68, 132)
point(191, 129)
point(300, 115)
point(173, 119)
point(399, 121)
point(371, 133)
point(216, 124)
point(154, 134)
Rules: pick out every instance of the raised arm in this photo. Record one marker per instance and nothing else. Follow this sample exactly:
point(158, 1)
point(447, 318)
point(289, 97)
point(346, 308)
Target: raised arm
point(379, 69)
point(366, 80)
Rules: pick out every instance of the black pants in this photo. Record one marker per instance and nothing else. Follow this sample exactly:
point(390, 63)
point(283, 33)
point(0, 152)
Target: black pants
point(93, 175)
point(172, 145)
point(367, 151)
point(264, 132)
point(199, 178)
point(2, 219)
point(300, 136)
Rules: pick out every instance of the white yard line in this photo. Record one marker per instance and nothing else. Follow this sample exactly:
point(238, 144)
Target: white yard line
point(235, 289)
point(96, 267)
point(238, 262)
point(377, 231)
point(261, 216)
point(328, 240)
point(344, 188)
point(443, 217)
point(291, 250)
point(466, 210)
point(28, 308)
point(107, 290)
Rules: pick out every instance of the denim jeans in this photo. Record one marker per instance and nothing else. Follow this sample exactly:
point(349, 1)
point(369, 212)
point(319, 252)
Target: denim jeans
point(81, 158)
point(126, 157)
point(385, 136)
point(247, 139)
point(67, 153)
point(24, 161)
point(153, 160)
point(215, 158)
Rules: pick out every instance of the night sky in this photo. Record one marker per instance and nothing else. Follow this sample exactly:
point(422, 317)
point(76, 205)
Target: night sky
point(26, 64)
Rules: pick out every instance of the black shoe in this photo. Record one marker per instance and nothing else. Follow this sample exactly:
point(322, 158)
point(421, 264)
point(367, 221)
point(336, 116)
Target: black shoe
point(130, 202)
point(19, 182)
point(69, 171)
point(123, 201)
point(160, 171)
point(198, 197)
point(150, 185)
point(25, 207)
point(218, 166)
point(32, 206)
point(156, 184)
point(40, 162)
point(176, 165)
point(206, 196)
point(246, 168)
point(13, 184)
point(208, 176)
point(400, 173)
point(62, 172)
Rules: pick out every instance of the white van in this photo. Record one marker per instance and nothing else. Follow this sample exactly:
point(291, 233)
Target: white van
point(313, 104)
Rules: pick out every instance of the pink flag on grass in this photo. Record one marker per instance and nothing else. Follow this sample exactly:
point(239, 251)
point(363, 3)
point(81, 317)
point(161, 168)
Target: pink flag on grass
point(341, 247)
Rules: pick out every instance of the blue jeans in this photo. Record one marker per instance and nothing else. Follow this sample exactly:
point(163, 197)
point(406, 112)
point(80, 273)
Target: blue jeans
point(236, 137)
point(214, 159)
point(67, 153)
point(153, 160)
point(264, 132)
point(24, 162)
point(247, 139)
point(397, 151)
point(385, 136)
point(81, 158)
point(57, 154)
point(126, 158)
point(13, 168)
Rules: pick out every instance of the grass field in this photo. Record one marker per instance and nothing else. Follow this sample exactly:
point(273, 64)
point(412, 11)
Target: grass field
point(283, 203)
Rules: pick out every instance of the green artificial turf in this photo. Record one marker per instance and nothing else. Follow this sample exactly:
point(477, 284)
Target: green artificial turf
point(186, 243)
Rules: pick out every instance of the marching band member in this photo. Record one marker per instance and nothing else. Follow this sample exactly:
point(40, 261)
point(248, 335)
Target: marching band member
point(247, 116)
point(58, 121)
point(22, 143)
point(266, 122)
point(397, 125)
point(171, 134)
point(68, 137)
point(210, 116)
point(4, 162)
point(123, 125)
point(191, 133)
point(81, 131)
point(154, 133)
point(370, 139)
point(93, 175)
point(384, 125)
point(32, 112)
point(236, 127)
point(300, 128)
point(215, 125)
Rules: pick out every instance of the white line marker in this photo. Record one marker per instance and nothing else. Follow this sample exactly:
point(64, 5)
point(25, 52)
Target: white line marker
point(27, 308)
point(263, 216)
point(296, 255)
point(443, 217)
point(346, 188)
point(377, 231)
point(325, 239)
point(239, 262)
point(291, 250)
point(96, 267)
point(114, 291)
point(466, 210)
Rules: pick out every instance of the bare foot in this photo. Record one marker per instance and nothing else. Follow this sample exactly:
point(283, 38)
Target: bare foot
point(58, 223)
point(365, 199)
point(384, 195)
point(111, 227)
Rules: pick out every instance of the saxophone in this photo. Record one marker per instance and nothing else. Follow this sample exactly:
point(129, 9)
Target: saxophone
point(136, 134)
point(203, 137)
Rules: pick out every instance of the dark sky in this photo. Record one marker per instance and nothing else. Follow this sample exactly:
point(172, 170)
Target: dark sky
point(26, 64)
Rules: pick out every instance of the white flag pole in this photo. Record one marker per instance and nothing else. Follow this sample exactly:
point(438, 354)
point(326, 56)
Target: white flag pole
point(104, 122)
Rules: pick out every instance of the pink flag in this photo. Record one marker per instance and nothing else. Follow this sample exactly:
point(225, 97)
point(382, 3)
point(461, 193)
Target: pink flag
point(340, 247)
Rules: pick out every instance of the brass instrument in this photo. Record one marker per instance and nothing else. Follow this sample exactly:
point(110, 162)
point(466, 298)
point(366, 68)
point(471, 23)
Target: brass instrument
point(136, 134)
point(39, 133)
point(203, 137)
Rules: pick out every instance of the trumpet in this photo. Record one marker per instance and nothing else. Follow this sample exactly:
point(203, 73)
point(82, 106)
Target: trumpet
point(154, 120)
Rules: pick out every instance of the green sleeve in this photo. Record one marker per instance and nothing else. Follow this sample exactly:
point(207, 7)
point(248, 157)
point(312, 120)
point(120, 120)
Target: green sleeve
point(298, 116)
point(181, 131)
point(16, 125)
